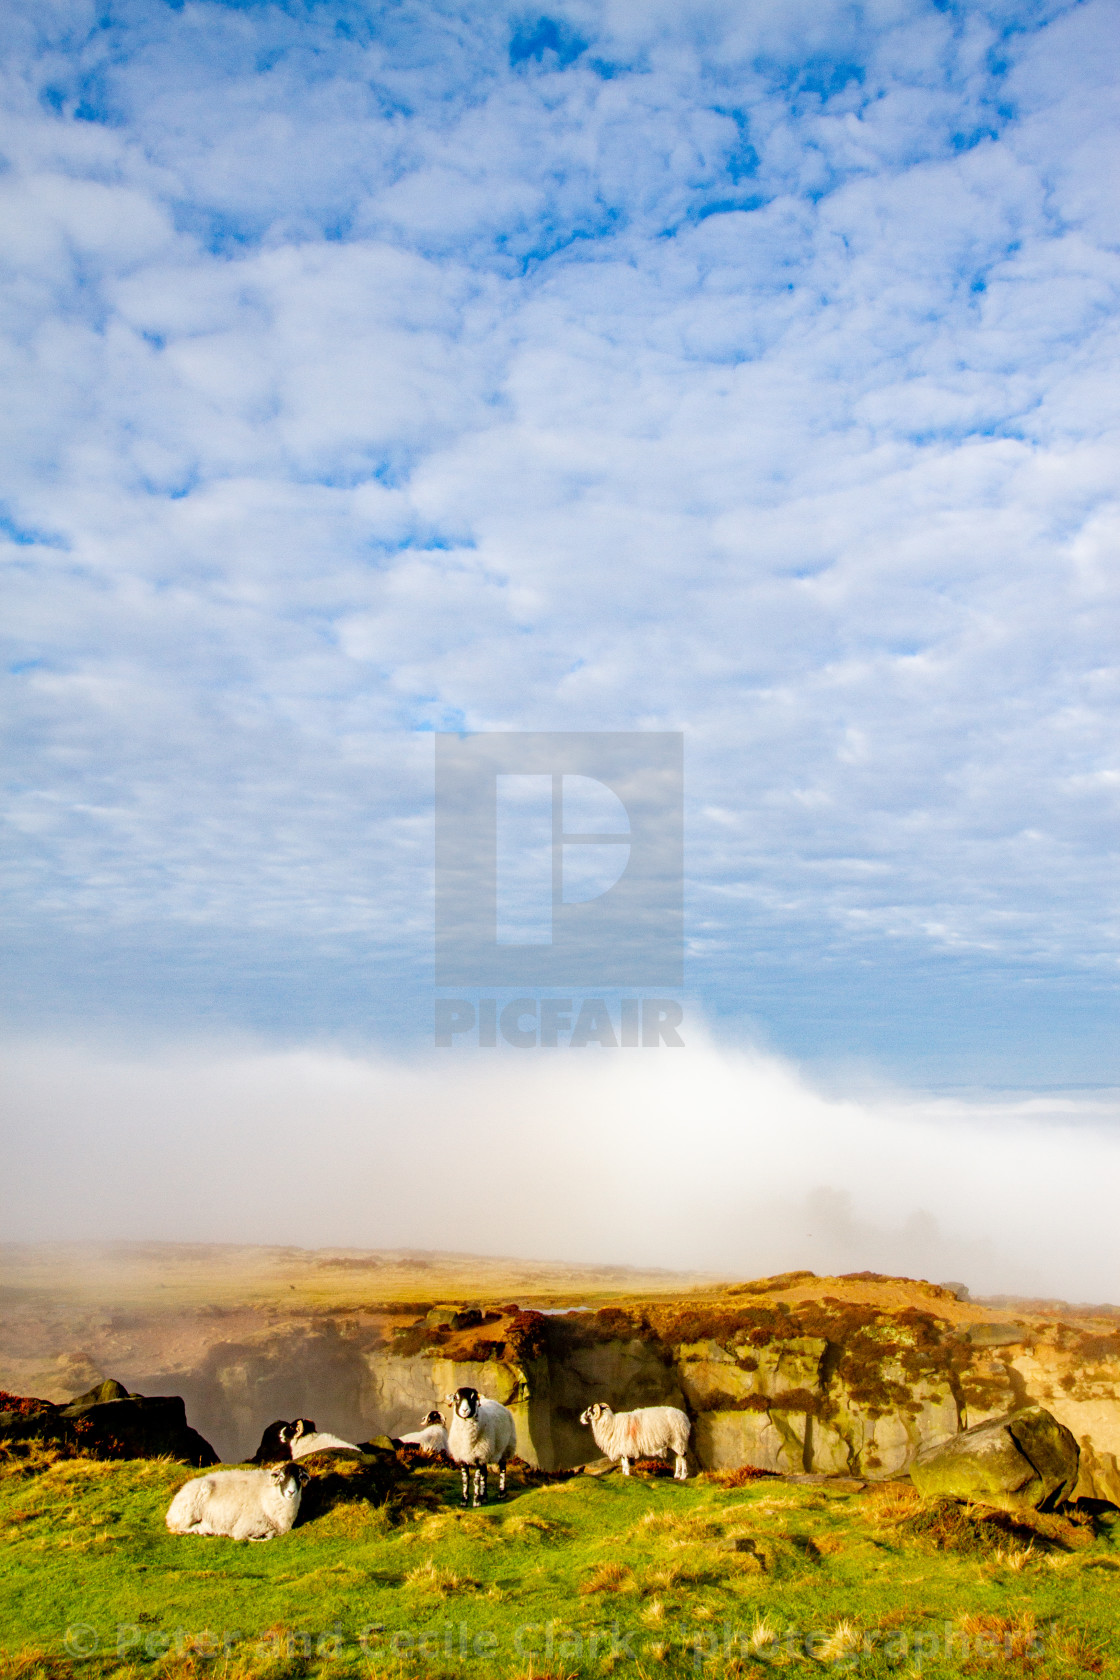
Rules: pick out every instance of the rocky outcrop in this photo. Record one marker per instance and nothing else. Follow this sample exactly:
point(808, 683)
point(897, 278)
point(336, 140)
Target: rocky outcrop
point(1098, 1475)
point(1026, 1461)
point(795, 1374)
point(108, 1422)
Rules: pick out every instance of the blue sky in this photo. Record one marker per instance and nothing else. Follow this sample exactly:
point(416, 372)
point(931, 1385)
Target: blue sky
point(743, 369)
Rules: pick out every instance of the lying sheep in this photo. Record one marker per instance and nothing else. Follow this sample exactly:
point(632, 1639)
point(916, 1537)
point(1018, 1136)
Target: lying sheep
point(431, 1437)
point(650, 1432)
point(276, 1444)
point(481, 1432)
point(307, 1439)
point(241, 1504)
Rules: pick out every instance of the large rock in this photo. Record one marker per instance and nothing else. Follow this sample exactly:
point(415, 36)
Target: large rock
point(713, 1379)
point(1025, 1460)
point(866, 1440)
point(108, 1422)
point(1098, 1475)
point(764, 1441)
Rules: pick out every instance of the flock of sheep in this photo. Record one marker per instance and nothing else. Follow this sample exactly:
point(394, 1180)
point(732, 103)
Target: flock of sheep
point(258, 1504)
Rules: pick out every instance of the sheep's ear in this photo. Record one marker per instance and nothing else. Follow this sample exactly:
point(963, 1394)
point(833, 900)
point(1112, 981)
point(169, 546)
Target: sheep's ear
point(278, 1474)
point(304, 1476)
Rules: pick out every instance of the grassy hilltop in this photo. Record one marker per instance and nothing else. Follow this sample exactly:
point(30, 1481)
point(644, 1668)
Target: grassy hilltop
point(725, 1574)
point(730, 1573)
point(155, 1275)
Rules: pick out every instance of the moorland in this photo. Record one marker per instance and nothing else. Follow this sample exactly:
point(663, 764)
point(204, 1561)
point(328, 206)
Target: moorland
point(735, 1571)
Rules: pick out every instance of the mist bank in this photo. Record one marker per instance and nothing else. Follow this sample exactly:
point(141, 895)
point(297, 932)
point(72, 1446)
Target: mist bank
point(705, 1158)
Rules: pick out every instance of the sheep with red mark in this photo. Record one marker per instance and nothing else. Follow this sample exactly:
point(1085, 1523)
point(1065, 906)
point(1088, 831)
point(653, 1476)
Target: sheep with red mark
point(649, 1432)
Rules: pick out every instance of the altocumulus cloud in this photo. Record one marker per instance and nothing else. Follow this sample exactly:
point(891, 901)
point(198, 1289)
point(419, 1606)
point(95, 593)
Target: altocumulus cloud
point(745, 369)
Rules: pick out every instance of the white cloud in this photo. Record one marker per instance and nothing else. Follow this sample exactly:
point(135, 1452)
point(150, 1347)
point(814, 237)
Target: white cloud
point(695, 1158)
point(764, 387)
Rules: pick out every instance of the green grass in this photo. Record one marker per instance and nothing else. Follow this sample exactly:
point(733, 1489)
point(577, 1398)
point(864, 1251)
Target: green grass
point(583, 1577)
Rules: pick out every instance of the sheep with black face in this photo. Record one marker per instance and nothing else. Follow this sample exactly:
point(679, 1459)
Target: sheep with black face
point(481, 1432)
point(431, 1437)
point(240, 1504)
point(306, 1439)
point(276, 1444)
point(649, 1432)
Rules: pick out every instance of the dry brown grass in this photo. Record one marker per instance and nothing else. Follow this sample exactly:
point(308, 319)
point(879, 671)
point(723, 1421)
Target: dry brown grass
point(742, 1476)
point(1010, 1540)
point(446, 1524)
point(354, 1521)
point(532, 1527)
point(34, 1665)
point(165, 1276)
point(430, 1578)
point(37, 1665)
point(664, 1578)
point(610, 1578)
point(683, 1526)
point(1078, 1649)
point(844, 1640)
point(27, 1458)
point(999, 1639)
point(886, 1502)
point(533, 1673)
point(762, 1635)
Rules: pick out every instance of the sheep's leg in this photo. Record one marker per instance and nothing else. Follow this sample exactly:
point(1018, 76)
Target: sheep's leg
point(502, 1479)
point(625, 1466)
point(466, 1499)
point(681, 1471)
point(480, 1484)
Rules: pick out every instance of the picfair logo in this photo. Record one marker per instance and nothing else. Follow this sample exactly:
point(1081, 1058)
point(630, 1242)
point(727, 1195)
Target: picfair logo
point(559, 860)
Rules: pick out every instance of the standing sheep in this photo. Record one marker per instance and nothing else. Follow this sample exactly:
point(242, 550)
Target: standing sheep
point(481, 1432)
point(650, 1432)
point(431, 1437)
point(241, 1504)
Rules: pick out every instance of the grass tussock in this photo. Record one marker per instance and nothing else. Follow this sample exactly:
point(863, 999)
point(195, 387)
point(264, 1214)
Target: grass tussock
point(886, 1502)
point(430, 1578)
point(354, 1521)
point(534, 1528)
point(742, 1476)
point(844, 1640)
point(443, 1527)
point(1080, 1651)
point(688, 1526)
point(978, 1530)
point(35, 1665)
point(609, 1578)
point(999, 1640)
